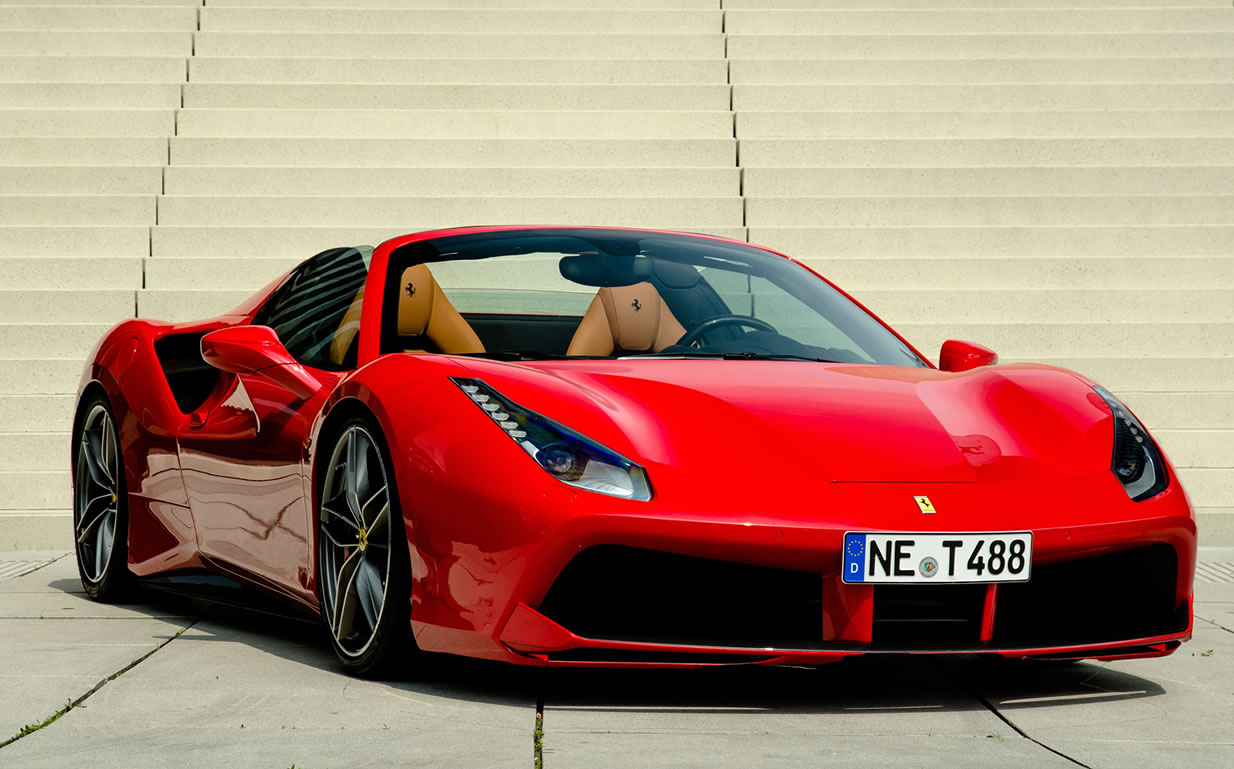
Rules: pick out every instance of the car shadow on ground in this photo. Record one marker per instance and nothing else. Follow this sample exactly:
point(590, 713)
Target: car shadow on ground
point(872, 683)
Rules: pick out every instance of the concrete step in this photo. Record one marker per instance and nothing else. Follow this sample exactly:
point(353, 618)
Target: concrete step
point(457, 70)
point(419, 212)
point(1043, 341)
point(455, 124)
point(1117, 306)
point(215, 273)
point(1172, 210)
point(983, 70)
point(89, 95)
point(81, 180)
point(37, 413)
point(473, 4)
point(70, 272)
point(492, 182)
point(451, 97)
point(187, 3)
point(87, 122)
point(100, 305)
point(980, 125)
point(95, 42)
point(452, 152)
point(42, 376)
point(180, 305)
point(1198, 449)
point(25, 452)
point(91, 69)
point(1039, 340)
point(74, 241)
point(36, 490)
point(986, 152)
point(76, 209)
point(985, 21)
point(530, 45)
point(1073, 44)
point(75, 151)
point(1182, 410)
point(1052, 241)
point(1206, 485)
point(299, 242)
point(1097, 5)
point(21, 338)
point(37, 530)
point(1104, 180)
point(39, 17)
point(998, 274)
point(881, 97)
point(471, 21)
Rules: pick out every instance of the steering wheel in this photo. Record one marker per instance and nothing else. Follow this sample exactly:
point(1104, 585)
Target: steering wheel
point(716, 321)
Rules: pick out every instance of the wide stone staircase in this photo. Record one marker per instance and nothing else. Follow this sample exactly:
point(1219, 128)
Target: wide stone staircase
point(1049, 177)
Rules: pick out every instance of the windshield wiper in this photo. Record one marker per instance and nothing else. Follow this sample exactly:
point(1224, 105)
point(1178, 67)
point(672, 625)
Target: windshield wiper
point(727, 356)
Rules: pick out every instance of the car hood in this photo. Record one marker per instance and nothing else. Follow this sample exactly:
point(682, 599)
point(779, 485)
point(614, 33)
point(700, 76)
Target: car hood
point(798, 420)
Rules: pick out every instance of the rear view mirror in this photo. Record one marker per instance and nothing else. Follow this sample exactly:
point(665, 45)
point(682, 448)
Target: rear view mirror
point(256, 350)
point(958, 355)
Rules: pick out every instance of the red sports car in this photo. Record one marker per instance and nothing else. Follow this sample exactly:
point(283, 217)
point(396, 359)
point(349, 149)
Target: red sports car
point(590, 446)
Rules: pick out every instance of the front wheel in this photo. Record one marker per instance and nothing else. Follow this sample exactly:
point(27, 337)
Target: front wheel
point(100, 512)
point(363, 576)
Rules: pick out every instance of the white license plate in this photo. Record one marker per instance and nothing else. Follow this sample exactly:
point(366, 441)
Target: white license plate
point(999, 556)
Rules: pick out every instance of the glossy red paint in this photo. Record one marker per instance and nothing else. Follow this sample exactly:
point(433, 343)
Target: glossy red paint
point(755, 462)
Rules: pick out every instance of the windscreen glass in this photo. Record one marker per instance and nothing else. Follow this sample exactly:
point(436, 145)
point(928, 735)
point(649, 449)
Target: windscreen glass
point(614, 293)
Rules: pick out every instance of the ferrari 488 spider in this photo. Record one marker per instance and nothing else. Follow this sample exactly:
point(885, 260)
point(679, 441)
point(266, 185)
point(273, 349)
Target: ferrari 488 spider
point(587, 446)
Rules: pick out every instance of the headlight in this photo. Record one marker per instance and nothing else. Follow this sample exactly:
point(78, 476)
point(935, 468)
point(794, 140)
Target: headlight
point(1136, 461)
point(568, 456)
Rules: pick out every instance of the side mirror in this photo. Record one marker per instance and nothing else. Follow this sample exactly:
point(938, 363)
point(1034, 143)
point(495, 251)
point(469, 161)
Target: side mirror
point(957, 355)
point(256, 350)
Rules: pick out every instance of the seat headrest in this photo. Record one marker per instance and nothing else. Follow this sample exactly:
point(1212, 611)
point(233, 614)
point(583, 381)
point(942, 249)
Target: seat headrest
point(634, 316)
point(415, 307)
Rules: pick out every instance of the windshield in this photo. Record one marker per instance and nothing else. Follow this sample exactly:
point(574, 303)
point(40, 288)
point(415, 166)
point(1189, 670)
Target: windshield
point(576, 293)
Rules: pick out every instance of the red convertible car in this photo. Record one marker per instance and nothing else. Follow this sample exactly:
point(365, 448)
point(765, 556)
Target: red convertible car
point(591, 446)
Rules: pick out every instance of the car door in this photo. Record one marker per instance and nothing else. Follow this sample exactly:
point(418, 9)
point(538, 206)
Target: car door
point(244, 459)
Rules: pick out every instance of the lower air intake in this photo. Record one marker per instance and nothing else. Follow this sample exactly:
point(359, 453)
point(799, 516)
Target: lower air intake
point(1115, 597)
point(619, 593)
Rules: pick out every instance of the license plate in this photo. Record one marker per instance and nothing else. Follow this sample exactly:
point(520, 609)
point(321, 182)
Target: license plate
point(1001, 556)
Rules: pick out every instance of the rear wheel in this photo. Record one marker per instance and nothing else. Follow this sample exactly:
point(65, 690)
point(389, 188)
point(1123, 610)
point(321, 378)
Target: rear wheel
point(363, 577)
point(100, 513)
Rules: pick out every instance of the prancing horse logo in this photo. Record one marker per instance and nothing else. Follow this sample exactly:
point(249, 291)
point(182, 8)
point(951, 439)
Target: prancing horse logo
point(635, 304)
point(924, 504)
point(411, 290)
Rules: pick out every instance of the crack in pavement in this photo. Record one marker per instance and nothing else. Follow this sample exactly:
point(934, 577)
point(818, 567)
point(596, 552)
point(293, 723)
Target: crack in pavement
point(537, 736)
point(31, 729)
point(1214, 623)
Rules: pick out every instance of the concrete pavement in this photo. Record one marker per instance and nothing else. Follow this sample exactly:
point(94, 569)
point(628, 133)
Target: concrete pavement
point(173, 682)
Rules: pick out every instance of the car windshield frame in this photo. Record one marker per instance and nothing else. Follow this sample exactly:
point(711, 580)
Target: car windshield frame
point(622, 249)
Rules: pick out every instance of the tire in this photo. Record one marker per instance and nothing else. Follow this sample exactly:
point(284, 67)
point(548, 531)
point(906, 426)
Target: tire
point(100, 504)
point(363, 570)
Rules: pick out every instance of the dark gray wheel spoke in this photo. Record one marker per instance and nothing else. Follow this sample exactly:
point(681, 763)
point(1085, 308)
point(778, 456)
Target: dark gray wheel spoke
point(93, 454)
point(95, 512)
point(354, 554)
point(345, 609)
point(370, 591)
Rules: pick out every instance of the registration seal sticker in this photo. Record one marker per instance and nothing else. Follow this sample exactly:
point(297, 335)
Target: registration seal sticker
point(928, 567)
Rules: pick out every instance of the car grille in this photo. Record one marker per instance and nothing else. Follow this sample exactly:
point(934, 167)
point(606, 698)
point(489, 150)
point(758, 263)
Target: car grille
point(619, 593)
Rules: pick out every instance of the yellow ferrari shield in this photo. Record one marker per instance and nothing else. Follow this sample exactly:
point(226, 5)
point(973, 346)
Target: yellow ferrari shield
point(924, 503)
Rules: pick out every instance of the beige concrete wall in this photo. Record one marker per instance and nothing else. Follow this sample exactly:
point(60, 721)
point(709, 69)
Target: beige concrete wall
point(1051, 177)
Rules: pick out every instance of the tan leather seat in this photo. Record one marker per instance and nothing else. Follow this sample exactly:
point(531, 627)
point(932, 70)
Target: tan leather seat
point(348, 328)
point(425, 315)
point(626, 319)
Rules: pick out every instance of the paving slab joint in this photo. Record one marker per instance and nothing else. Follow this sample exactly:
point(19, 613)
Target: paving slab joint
point(32, 728)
